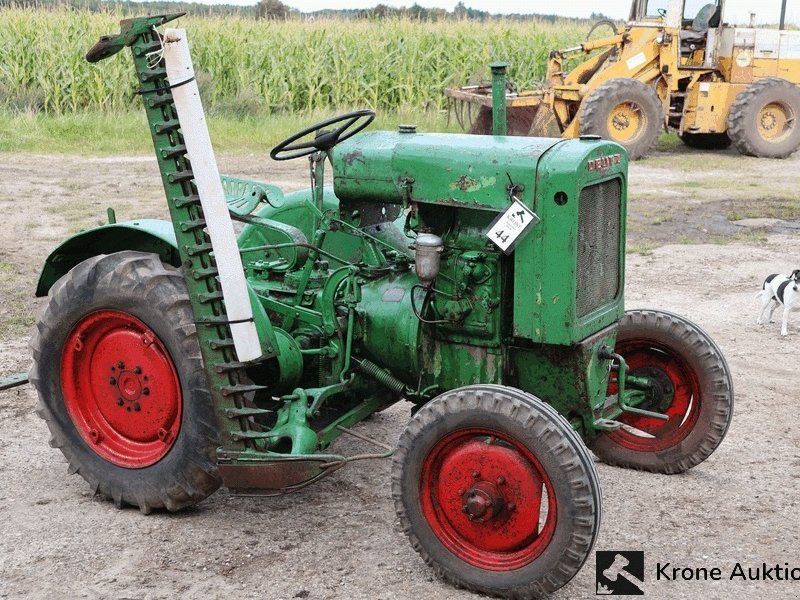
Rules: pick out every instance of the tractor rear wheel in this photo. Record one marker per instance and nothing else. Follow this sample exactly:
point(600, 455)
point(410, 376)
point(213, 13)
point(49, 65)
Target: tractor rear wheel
point(625, 111)
point(117, 366)
point(691, 383)
point(763, 120)
point(706, 141)
point(496, 492)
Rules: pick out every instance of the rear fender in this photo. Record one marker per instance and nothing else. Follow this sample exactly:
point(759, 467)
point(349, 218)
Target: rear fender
point(144, 235)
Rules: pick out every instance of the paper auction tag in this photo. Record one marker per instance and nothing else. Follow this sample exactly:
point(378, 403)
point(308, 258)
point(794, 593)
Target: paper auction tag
point(510, 226)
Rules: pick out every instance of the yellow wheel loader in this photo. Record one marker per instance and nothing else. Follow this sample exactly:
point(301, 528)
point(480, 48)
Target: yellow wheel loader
point(679, 65)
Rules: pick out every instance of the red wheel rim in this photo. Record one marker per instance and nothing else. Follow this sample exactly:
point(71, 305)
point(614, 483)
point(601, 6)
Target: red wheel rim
point(487, 499)
point(121, 389)
point(683, 411)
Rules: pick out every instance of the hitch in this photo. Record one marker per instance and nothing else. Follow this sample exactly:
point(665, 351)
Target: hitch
point(6, 383)
point(624, 378)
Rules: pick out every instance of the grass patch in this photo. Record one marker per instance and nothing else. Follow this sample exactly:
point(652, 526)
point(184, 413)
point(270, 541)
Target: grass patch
point(18, 321)
point(751, 238)
point(669, 142)
point(786, 209)
point(16, 314)
point(687, 159)
point(644, 247)
point(659, 217)
point(126, 133)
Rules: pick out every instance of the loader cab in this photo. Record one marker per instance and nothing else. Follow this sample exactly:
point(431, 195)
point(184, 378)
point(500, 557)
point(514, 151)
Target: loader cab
point(690, 26)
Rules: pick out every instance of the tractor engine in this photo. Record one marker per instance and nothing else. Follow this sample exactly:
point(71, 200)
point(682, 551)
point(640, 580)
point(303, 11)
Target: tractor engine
point(531, 310)
point(481, 260)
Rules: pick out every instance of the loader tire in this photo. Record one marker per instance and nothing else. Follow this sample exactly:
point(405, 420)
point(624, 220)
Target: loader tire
point(625, 111)
point(117, 365)
point(706, 141)
point(763, 120)
point(497, 492)
point(692, 384)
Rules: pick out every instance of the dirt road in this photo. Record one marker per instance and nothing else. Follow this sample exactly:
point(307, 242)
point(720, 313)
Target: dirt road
point(339, 538)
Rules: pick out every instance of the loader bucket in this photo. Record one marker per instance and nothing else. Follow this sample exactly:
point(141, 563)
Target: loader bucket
point(519, 120)
point(537, 121)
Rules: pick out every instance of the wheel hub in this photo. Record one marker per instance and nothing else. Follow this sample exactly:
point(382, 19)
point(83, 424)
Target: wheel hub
point(674, 391)
point(775, 121)
point(487, 499)
point(121, 389)
point(661, 392)
point(626, 122)
point(483, 502)
point(621, 121)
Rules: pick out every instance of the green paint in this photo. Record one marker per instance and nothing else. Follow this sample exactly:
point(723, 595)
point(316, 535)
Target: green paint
point(499, 122)
point(331, 268)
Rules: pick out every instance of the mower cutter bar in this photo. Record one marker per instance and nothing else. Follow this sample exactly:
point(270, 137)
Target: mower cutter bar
point(6, 383)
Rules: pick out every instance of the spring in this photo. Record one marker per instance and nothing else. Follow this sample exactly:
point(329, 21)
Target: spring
point(381, 375)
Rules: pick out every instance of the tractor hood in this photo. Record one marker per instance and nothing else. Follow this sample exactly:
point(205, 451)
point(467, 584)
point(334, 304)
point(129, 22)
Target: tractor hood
point(469, 171)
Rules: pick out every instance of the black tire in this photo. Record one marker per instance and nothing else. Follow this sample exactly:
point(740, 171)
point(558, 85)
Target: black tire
point(764, 120)
point(136, 288)
point(706, 141)
point(519, 424)
point(692, 381)
point(638, 123)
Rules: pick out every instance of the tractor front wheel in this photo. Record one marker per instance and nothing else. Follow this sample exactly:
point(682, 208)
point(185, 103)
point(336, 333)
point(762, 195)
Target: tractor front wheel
point(117, 366)
point(497, 492)
point(689, 382)
point(763, 120)
point(625, 111)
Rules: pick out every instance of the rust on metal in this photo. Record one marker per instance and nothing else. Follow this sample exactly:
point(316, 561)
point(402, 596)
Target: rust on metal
point(278, 476)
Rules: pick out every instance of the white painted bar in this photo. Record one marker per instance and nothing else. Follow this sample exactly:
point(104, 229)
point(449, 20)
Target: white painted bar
point(212, 197)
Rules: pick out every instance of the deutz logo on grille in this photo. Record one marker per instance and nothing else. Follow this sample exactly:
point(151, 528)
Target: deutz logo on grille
point(604, 162)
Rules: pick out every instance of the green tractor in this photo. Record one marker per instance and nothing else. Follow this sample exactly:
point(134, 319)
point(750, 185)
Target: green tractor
point(479, 278)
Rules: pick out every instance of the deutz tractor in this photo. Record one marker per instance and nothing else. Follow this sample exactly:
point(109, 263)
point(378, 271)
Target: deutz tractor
point(679, 65)
point(479, 278)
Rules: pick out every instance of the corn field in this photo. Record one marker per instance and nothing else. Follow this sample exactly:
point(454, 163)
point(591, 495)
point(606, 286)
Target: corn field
point(247, 65)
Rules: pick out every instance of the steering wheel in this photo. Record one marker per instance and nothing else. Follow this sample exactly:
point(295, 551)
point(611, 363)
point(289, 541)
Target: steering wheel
point(324, 140)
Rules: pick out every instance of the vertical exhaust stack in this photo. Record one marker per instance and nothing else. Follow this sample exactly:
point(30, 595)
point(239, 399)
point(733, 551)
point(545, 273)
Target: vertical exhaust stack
point(186, 95)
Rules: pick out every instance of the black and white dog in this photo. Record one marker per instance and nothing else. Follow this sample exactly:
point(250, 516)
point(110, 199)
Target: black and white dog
point(779, 289)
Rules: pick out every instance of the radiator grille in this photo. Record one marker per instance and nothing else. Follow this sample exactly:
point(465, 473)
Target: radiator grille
point(598, 245)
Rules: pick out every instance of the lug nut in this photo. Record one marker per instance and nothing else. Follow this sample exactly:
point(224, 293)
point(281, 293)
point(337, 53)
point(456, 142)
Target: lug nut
point(512, 507)
point(113, 381)
point(138, 370)
point(120, 401)
point(146, 391)
point(476, 474)
point(136, 407)
point(501, 480)
point(121, 365)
